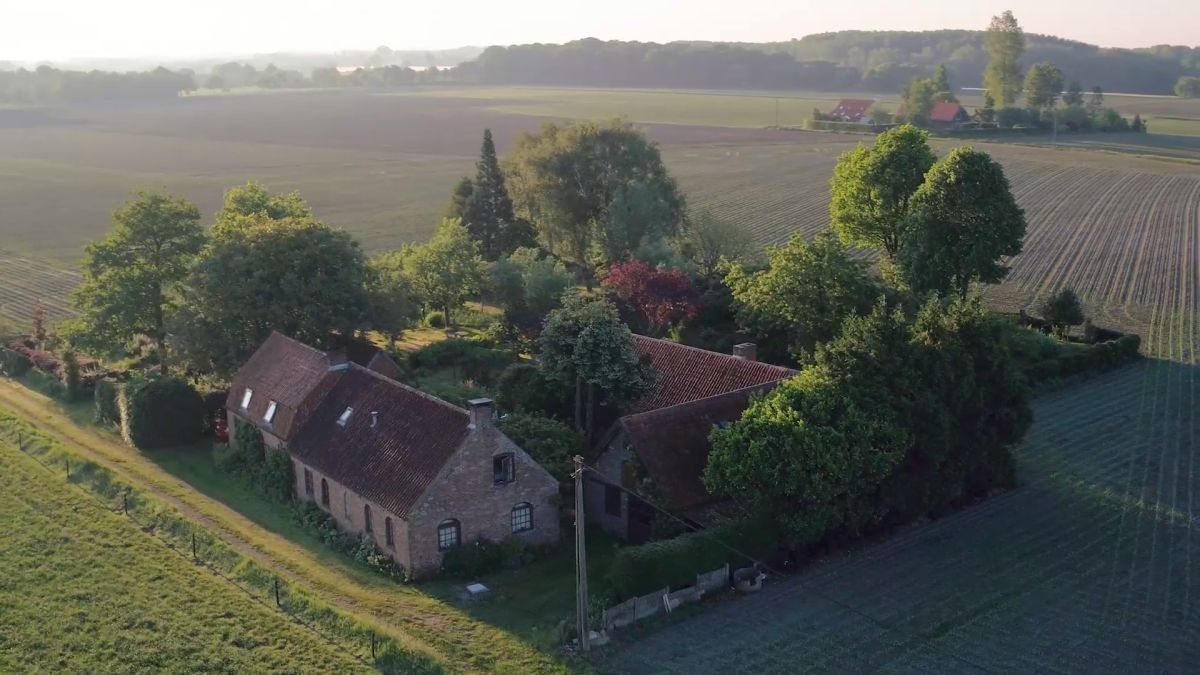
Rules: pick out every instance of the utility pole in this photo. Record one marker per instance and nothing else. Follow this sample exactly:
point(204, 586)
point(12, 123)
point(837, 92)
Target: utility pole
point(581, 592)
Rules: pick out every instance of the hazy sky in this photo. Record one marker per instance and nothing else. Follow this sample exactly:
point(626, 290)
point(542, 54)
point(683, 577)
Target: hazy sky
point(58, 29)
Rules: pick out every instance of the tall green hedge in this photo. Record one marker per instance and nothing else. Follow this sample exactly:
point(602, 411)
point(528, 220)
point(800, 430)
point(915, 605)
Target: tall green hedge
point(637, 570)
point(105, 396)
point(15, 363)
point(158, 412)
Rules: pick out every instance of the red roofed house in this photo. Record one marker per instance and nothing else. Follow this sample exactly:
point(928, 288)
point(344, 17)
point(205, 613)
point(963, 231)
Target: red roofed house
point(856, 110)
point(948, 115)
point(661, 446)
point(417, 474)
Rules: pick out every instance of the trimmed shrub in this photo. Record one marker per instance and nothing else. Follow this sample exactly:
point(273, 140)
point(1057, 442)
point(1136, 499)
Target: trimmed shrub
point(435, 319)
point(105, 397)
point(674, 563)
point(15, 363)
point(158, 412)
point(483, 556)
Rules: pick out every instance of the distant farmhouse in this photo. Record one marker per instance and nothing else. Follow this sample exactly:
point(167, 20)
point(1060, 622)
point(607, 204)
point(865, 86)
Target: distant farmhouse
point(948, 116)
point(417, 474)
point(856, 110)
point(661, 446)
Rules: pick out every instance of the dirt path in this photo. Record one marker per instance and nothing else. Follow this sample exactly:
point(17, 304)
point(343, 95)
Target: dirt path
point(416, 620)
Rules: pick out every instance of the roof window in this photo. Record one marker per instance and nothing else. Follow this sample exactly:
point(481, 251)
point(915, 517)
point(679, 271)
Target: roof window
point(270, 414)
point(345, 418)
point(249, 393)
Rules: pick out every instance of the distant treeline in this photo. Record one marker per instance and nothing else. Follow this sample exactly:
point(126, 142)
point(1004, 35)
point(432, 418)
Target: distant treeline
point(849, 60)
point(49, 85)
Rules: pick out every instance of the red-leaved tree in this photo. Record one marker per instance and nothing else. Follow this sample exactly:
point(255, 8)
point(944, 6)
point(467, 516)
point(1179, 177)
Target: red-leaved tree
point(661, 298)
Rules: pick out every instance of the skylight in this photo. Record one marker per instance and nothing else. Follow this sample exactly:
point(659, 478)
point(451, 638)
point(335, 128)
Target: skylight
point(246, 398)
point(345, 417)
point(270, 416)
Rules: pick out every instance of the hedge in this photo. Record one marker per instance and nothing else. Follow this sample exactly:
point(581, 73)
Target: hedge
point(158, 412)
point(105, 397)
point(674, 563)
point(823, 125)
point(15, 363)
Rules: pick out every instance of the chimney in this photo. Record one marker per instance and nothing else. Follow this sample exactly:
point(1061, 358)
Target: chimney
point(374, 418)
point(746, 351)
point(481, 412)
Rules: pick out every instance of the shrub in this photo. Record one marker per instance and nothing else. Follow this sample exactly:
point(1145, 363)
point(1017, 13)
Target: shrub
point(15, 363)
point(550, 442)
point(1062, 310)
point(674, 563)
point(72, 379)
point(246, 456)
point(160, 411)
point(105, 397)
point(435, 319)
point(479, 360)
point(523, 388)
point(483, 556)
point(361, 549)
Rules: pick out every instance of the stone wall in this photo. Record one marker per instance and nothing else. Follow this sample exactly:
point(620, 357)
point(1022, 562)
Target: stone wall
point(609, 465)
point(464, 490)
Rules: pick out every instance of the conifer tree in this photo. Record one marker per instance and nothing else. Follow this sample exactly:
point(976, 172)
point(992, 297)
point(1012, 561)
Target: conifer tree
point(488, 211)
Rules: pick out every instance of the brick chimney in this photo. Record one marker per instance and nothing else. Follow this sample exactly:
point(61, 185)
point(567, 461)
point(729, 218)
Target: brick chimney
point(746, 351)
point(481, 412)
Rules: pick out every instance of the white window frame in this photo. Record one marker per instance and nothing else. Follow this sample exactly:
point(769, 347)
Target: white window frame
point(269, 416)
point(246, 397)
point(527, 508)
point(344, 419)
point(450, 525)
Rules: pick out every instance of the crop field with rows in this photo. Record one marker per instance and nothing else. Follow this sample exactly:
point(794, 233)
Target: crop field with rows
point(24, 282)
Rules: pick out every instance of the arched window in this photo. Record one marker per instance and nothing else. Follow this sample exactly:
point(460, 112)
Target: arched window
point(388, 537)
point(367, 518)
point(522, 517)
point(324, 493)
point(448, 535)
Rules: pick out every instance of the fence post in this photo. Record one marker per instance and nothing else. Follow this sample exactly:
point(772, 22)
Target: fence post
point(21, 441)
point(194, 556)
point(277, 602)
point(67, 461)
point(125, 501)
point(373, 645)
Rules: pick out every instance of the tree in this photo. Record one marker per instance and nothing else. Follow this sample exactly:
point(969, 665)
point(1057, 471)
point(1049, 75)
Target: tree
point(943, 91)
point(919, 98)
point(1188, 87)
point(593, 190)
point(528, 285)
point(584, 344)
point(987, 113)
point(1074, 96)
point(488, 210)
point(457, 208)
point(394, 303)
point(871, 189)
point(806, 292)
point(295, 276)
point(251, 204)
point(447, 269)
point(132, 277)
point(661, 298)
point(1096, 101)
point(1137, 125)
point(1043, 83)
point(1062, 310)
point(711, 242)
point(965, 222)
point(1005, 44)
point(39, 325)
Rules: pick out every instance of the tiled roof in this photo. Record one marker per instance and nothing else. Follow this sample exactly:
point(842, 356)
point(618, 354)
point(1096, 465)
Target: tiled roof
point(946, 112)
point(690, 374)
point(853, 107)
point(672, 443)
point(392, 462)
point(281, 370)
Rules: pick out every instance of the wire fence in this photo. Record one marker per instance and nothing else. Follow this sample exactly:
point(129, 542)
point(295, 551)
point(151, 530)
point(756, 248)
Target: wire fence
point(197, 545)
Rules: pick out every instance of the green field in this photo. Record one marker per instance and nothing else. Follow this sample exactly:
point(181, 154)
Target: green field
point(85, 591)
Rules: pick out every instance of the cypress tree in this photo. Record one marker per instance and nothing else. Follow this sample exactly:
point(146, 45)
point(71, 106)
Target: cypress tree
point(489, 210)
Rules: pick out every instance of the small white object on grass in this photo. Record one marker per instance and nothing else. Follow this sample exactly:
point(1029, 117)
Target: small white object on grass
point(476, 589)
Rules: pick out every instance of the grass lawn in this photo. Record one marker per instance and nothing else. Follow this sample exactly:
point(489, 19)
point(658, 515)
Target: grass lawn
point(85, 591)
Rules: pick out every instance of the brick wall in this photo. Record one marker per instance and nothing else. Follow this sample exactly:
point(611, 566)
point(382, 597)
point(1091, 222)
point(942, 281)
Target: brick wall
point(354, 521)
point(465, 491)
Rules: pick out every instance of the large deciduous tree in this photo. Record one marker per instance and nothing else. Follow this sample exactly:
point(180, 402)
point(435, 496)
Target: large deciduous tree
point(488, 211)
point(132, 277)
point(595, 192)
point(661, 298)
point(395, 304)
point(292, 275)
point(528, 285)
point(250, 204)
point(919, 96)
point(965, 222)
point(805, 293)
point(711, 242)
point(1005, 44)
point(1043, 84)
point(584, 344)
point(871, 189)
point(447, 269)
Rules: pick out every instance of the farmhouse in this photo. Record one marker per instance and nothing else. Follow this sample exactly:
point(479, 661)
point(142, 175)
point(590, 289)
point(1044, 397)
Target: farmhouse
point(661, 447)
point(418, 475)
point(948, 115)
point(856, 110)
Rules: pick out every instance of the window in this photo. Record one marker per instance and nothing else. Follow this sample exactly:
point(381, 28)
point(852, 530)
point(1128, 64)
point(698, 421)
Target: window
point(448, 535)
point(345, 418)
point(346, 505)
point(270, 412)
point(612, 500)
point(502, 469)
point(324, 493)
point(308, 489)
point(522, 517)
point(367, 518)
point(388, 537)
point(246, 396)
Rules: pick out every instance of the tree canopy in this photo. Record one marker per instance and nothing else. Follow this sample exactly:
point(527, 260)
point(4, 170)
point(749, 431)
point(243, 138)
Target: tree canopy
point(132, 277)
point(660, 298)
point(251, 204)
point(487, 210)
point(447, 269)
point(1005, 44)
point(965, 222)
point(1043, 83)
